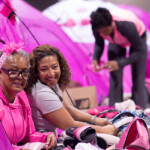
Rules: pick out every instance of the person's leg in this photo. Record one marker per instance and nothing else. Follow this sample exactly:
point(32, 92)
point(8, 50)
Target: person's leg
point(115, 52)
point(139, 93)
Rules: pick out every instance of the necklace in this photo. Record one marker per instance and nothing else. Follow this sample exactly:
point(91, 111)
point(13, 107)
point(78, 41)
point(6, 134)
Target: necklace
point(15, 130)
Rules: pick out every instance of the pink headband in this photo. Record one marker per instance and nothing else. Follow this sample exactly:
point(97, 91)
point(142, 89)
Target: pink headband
point(7, 49)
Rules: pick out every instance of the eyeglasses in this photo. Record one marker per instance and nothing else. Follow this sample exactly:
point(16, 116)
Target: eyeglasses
point(14, 74)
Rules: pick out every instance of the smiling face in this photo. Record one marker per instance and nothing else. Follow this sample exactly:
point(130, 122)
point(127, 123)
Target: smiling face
point(17, 63)
point(49, 70)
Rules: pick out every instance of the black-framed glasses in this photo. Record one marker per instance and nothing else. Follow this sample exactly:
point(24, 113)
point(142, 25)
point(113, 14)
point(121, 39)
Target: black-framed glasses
point(14, 74)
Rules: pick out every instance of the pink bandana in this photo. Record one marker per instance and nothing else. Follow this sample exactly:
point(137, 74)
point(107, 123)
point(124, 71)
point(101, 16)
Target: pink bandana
point(7, 49)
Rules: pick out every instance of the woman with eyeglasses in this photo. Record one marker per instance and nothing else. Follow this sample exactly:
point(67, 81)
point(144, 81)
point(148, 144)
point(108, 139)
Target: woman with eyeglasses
point(49, 76)
point(15, 112)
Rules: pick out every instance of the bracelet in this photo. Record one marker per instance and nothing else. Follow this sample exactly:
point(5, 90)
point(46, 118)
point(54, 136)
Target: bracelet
point(93, 119)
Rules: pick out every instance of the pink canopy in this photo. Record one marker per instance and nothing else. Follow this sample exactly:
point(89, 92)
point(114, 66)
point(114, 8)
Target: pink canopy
point(78, 55)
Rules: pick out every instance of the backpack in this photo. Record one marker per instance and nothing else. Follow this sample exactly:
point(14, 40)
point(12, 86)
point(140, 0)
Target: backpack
point(136, 135)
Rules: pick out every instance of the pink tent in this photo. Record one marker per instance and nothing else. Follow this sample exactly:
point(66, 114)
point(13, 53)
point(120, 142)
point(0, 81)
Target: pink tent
point(78, 55)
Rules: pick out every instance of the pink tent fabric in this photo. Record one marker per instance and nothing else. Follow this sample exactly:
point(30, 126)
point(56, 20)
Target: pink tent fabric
point(6, 11)
point(78, 55)
point(7, 31)
point(47, 31)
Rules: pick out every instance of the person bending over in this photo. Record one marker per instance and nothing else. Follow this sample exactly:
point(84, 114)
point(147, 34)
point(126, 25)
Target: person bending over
point(122, 29)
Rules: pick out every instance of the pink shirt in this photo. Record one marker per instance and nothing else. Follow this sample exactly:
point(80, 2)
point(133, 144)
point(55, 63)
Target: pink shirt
point(17, 120)
point(124, 15)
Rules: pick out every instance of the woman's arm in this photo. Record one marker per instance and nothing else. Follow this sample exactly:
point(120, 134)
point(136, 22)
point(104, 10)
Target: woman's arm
point(85, 117)
point(51, 107)
point(98, 47)
point(62, 119)
point(98, 50)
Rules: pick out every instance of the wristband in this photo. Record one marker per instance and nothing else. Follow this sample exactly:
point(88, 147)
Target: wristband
point(93, 119)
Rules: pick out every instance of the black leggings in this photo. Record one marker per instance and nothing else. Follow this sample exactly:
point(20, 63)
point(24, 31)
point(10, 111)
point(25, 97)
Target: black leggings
point(139, 94)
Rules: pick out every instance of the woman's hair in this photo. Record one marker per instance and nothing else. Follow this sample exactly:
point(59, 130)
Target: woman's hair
point(20, 52)
point(100, 18)
point(40, 52)
point(12, 48)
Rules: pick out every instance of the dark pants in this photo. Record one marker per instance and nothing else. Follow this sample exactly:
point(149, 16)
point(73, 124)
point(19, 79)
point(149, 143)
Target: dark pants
point(139, 94)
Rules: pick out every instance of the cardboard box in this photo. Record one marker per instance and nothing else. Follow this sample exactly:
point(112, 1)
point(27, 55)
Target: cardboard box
point(83, 98)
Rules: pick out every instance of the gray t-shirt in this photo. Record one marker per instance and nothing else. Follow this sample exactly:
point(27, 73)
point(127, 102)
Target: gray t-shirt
point(44, 100)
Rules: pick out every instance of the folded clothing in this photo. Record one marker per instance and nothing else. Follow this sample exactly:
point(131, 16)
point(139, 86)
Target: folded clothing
point(70, 141)
point(85, 134)
point(110, 139)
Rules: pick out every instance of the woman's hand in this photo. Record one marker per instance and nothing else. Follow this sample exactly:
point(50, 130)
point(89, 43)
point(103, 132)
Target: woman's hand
point(111, 65)
point(110, 129)
point(96, 66)
point(102, 121)
point(51, 142)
